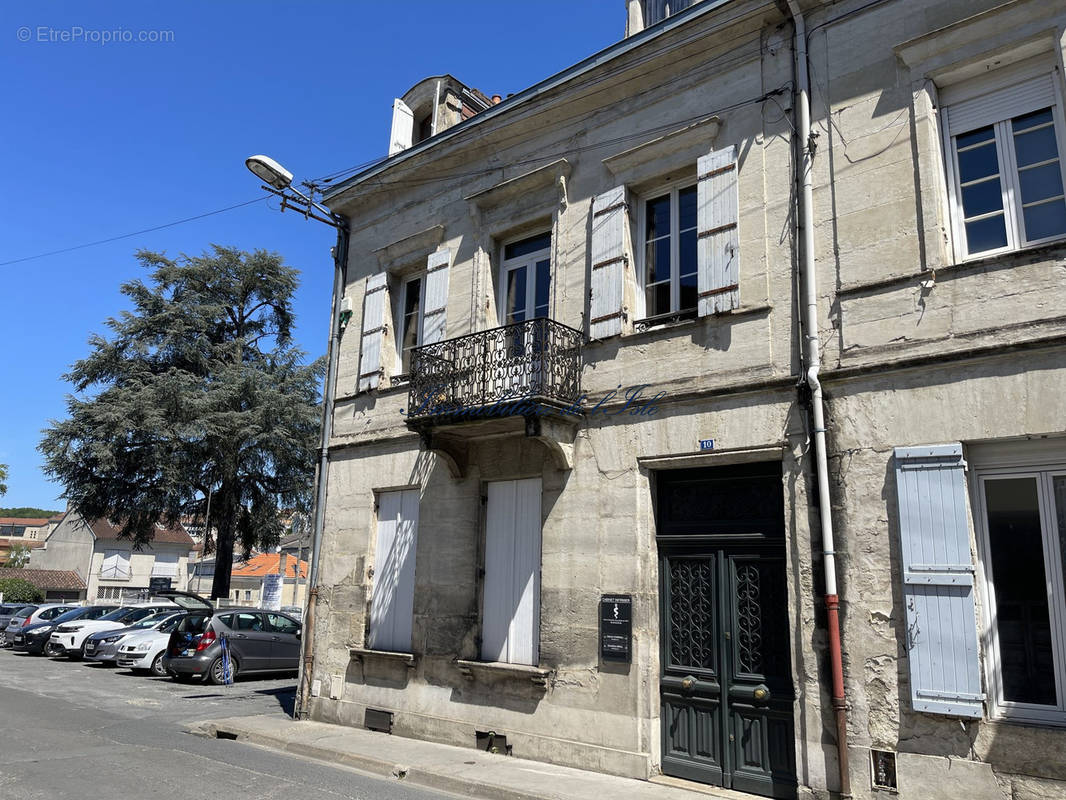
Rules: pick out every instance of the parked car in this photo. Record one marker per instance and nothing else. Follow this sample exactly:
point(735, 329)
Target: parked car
point(45, 612)
point(103, 646)
point(144, 649)
point(35, 639)
point(259, 640)
point(7, 611)
point(69, 638)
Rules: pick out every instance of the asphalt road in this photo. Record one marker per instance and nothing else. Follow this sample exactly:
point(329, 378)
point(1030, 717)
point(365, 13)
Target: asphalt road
point(81, 731)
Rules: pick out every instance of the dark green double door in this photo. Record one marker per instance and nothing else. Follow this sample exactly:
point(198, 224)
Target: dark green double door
point(726, 687)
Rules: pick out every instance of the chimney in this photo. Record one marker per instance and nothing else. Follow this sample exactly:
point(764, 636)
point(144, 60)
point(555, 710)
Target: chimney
point(496, 99)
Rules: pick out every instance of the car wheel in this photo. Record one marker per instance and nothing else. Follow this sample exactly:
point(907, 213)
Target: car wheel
point(157, 667)
point(215, 675)
point(51, 649)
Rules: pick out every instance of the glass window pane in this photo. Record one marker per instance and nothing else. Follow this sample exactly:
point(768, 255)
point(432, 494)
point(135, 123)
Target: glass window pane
point(689, 292)
point(658, 299)
point(658, 218)
point(1022, 618)
point(1046, 219)
point(1059, 486)
point(982, 198)
point(986, 134)
point(686, 214)
point(534, 244)
point(1040, 183)
point(1034, 146)
point(542, 290)
point(981, 162)
point(516, 295)
point(986, 234)
point(1031, 120)
point(687, 244)
point(657, 261)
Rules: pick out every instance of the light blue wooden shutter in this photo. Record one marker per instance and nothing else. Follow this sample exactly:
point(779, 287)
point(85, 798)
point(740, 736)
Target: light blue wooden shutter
point(436, 310)
point(607, 290)
point(373, 332)
point(511, 606)
point(718, 252)
point(392, 604)
point(938, 581)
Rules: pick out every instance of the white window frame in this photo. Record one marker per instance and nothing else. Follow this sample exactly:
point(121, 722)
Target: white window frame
point(673, 189)
point(1044, 472)
point(401, 315)
point(530, 262)
point(1008, 171)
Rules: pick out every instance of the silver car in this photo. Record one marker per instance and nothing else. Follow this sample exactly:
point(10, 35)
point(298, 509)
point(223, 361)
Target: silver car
point(103, 646)
point(9, 610)
point(44, 612)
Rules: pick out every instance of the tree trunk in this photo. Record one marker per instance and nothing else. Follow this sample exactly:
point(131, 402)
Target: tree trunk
point(225, 533)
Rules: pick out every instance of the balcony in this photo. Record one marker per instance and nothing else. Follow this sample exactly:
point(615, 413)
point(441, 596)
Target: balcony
point(521, 376)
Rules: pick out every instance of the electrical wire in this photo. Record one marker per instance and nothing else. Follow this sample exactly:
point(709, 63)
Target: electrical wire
point(134, 233)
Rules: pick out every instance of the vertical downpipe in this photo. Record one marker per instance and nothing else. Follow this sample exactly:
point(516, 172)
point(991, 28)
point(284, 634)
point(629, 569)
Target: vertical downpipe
point(814, 363)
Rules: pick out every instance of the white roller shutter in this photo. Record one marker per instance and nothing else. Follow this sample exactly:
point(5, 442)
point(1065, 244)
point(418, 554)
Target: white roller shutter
point(392, 604)
point(436, 312)
point(608, 263)
point(373, 332)
point(719, 241)
point(165, 565)
point(511, 607)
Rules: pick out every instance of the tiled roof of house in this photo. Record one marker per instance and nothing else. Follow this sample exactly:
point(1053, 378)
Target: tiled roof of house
point(44, 579)
point(9, 541)
point(29, 522)
point(267, 564)
point(103, 529)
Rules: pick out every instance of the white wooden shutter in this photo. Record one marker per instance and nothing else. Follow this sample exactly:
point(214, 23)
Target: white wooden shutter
point(436, 312)
point(403, 127)
point(719, 241)
point(511, 608)
point(938, 580)
point(392, 604)
point(373, 332)
point(608, 263)
point(165, 565)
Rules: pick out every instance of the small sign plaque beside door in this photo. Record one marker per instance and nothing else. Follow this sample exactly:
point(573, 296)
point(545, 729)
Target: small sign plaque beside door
point(616, 628)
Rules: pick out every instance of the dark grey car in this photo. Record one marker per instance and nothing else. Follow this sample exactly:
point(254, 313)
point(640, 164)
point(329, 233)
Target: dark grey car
point(259, 640)
point(9, 610)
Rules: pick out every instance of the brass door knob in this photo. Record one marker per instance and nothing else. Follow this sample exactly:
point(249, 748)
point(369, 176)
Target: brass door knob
point(688, 683)
point(762, 694)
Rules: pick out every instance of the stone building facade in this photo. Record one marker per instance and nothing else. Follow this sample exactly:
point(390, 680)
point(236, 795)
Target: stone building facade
point(574, 388)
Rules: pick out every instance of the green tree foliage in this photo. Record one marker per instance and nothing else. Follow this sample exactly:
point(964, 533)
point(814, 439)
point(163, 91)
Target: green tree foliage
point(18, 556)
point(3, 479)
point(199, 389)
point(28, 512)
point(16, 590)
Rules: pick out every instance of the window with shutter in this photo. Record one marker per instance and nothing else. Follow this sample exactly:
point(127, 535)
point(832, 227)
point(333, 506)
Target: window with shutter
point(511, 602)
point(165, 566)
point(392, 603)
point(436, 308)
point(607, 290)
point(373, 332)
point(403, 126)
point(938, 581)
point(719, 241)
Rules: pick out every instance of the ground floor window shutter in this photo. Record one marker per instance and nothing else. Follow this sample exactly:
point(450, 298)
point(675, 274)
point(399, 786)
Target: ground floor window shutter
point(436, 310)
point(717, 217)
point(165, 565)
point(511, 605)
point(393, 599)
point(938, 581)
point(606, 305)
point(373, 332)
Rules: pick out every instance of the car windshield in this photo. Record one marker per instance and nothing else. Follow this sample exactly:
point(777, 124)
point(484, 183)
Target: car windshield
point(117, 615)
point(171, 624)
point(74, 613)
point(153, 620)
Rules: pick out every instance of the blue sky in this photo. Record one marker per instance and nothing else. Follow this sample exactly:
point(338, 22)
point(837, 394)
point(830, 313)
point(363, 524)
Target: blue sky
point(102, 139)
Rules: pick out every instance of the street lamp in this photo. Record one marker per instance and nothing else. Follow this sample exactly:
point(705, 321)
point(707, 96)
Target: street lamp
point(278, 181)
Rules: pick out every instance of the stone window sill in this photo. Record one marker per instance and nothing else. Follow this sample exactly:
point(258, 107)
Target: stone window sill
point(363, 654)
point(474, 669)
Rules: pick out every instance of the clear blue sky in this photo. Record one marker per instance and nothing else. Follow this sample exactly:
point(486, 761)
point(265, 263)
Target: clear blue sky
point(100, 140)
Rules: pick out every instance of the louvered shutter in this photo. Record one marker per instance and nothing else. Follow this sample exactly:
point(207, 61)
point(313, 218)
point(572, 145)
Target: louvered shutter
point(109, 566)
point(608, 263)
point(436, 312)
point(165, 565)
point(392, 605)
point(719, 241)
point(373, 332)
point(511, 608)
point(403, 127)
point(938, 580)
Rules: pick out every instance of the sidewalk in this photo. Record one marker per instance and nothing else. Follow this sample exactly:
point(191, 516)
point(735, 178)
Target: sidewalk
point(459, 770)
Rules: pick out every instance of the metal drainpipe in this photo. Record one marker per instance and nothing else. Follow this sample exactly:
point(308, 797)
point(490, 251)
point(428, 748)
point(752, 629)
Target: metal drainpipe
point(340, 260)
point(814, 363)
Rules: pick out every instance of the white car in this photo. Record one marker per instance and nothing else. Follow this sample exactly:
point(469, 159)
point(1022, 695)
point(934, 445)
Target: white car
point(144, 650)
point(69, 638)
point(103, 646)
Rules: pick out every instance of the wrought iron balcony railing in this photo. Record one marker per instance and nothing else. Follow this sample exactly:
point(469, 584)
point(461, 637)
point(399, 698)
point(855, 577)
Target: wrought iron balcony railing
point(537, 360)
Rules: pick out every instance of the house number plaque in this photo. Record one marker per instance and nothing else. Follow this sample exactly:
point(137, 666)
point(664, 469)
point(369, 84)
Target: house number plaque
point(616, 627)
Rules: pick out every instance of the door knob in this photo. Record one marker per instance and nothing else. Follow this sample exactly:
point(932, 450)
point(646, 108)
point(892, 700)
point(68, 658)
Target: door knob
point(761, 694)
point(688, 683)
